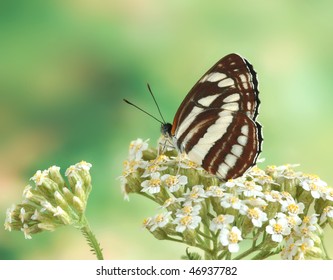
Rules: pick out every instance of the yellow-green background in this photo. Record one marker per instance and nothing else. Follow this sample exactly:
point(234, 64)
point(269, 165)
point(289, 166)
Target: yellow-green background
point(65, 67)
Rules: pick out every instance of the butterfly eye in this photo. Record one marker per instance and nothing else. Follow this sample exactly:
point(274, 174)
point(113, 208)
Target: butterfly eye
point(166, 129)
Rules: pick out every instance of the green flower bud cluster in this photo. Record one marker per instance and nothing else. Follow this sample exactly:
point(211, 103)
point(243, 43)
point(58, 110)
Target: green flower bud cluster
point(50, 202)
point(262, 213)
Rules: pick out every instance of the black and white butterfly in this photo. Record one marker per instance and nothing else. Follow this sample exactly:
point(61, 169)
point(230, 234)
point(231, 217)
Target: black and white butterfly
point(215, 124)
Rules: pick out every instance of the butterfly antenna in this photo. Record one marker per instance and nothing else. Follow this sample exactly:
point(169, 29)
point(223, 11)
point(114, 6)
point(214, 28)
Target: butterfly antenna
point(158, 108)
point(130, 103)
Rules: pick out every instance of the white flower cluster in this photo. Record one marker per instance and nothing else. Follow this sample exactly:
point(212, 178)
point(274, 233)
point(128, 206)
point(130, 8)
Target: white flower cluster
point(271, 207)
point(50, 203)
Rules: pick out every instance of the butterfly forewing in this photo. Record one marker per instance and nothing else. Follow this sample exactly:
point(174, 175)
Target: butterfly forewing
point(215, 124)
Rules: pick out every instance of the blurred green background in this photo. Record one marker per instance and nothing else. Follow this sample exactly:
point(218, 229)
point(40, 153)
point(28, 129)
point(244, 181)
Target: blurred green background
point(65, 67)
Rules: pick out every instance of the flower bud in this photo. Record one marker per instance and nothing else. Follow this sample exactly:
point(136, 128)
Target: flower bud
point(83, 168)
point(315, 252)
point(54, 174)
point(60, 200)
point(47, 226)
point(159, 234)
point(78, 205)
point(64, 217)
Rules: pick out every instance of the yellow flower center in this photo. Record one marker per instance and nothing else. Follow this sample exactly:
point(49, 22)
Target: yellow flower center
point(313, 187)
point(249, 185)
point(253, 213)
point(306, 219)
point(291, 221)
point(303, 247)
point(277, 228)
point(191, 164)
point(171, 181)
point(293, 208)
point(146, 221)
point(159, 218)
point(194, 195)
point(233, 237)
point(186, 220)
point(187, 209)
point(161, 158)
point(218, 192)
point(220, 219)
point(305, 231)
point(154, 182)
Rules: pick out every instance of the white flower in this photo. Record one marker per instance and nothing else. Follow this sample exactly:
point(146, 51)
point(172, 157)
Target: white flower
point(153, 185)
point(174, 182)
point(130, 166)
point(289, 250)
point(231, 183)
point(308, 225)
point(284, 171)
point(291, 207)
point(327, 212)
point(313, 188)
point(304, 245)
point(328, 193)
point(221, 221)
point(159, 221)
point(39, 177)
point(26, 231)
point(278, 228)
point(155, 165)
point(231, 238)
point(189, 210)
point(256, 215)
point(273, 196)
point(196, 194)
point(136, 148)
point(251, 189)
point(293, 220)
point(187, 222)
point(184, 162)
point(230, 200)
point(171, 201)
point(215, 191)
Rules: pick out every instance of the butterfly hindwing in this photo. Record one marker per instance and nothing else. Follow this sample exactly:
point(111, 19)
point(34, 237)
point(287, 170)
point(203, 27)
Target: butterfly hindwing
point(216, 122)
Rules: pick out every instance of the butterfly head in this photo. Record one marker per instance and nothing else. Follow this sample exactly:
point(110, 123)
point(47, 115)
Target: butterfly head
point(166, 129)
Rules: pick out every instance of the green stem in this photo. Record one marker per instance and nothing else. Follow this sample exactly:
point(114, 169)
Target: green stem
point(90, 237)
point(324, 249)
point(248, 252)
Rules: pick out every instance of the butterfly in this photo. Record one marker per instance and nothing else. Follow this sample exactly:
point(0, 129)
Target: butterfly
point(216, 125)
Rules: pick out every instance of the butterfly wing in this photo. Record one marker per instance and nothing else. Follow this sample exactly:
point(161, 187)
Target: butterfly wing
point(216, 122)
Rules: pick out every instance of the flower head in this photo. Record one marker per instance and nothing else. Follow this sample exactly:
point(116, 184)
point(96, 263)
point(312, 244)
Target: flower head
point(50, 203)
point(270, 205)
